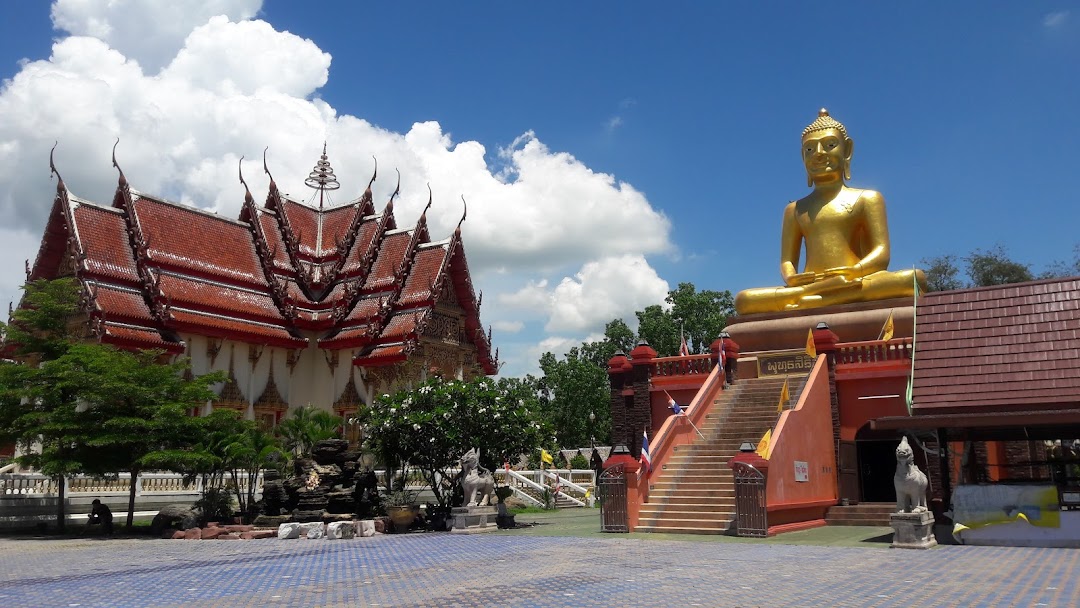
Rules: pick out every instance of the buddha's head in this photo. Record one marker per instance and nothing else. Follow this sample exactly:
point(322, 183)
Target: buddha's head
point(826, 150)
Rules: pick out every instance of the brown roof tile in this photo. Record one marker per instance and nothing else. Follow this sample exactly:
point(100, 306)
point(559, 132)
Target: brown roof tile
point(183, 237)
point(102, 233)
point(1011, 346)
point(391, 255)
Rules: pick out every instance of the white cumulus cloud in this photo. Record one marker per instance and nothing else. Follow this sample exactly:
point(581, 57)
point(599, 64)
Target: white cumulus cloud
point(230, 86)
point(148, 31)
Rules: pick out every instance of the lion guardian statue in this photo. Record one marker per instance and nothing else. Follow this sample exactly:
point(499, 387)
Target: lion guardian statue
point(475, 478)
point(909, 481)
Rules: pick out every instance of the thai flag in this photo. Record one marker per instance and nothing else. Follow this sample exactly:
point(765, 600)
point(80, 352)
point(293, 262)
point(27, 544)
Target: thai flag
point(673, 405)
point(646, 460)
point(684, 350)
point(723, 355)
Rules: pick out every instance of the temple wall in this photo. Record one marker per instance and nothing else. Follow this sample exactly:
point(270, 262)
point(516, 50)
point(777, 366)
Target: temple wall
point(312, 379)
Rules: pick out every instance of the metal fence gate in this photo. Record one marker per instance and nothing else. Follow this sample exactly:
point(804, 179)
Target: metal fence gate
point(750, 513)
point(613, 508)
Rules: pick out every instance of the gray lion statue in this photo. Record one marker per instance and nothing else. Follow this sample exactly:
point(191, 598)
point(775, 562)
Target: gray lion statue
point(909, 481)
point(475, 478)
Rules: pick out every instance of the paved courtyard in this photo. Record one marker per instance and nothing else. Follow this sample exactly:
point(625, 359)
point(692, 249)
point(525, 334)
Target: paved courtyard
point(526, 570)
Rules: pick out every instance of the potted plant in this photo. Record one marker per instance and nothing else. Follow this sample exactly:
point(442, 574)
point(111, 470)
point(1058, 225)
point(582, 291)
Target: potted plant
point(402, 508)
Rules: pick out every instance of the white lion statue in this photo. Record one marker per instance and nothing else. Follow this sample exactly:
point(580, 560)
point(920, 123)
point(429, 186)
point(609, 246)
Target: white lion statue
point(475, 478)
point(909, 481)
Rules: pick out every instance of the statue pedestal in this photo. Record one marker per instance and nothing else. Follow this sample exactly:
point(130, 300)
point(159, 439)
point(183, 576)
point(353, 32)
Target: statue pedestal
point(913, 530)
point(469, 520)
point(857, 322)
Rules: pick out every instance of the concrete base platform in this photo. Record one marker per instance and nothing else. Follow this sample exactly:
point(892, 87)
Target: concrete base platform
point(470, 520)
point(913, 530)
point(852, 322)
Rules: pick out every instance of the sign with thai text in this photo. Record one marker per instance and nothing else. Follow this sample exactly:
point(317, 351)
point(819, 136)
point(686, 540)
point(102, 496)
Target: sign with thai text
point(779, 364)
point(802, 471)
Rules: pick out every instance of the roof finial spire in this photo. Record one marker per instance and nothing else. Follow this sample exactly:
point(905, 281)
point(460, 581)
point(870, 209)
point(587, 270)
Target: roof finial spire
point(52, 167)
point(122, 180)
point(322, 177)
point(240, 169)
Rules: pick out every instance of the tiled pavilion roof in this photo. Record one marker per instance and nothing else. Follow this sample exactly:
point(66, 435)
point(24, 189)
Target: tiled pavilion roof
point(998, 349)
point(346, 275)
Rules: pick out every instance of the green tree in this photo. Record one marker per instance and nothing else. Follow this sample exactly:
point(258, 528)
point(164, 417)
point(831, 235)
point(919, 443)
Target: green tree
point(994, 267)
point(942, 273)
point(429, 428)
point(575, 387)
point(249, 453)
point(619, 335)
point(703, 314)
point(83, 407)
point(135, 405)
point(307, 425)
point(658, 327)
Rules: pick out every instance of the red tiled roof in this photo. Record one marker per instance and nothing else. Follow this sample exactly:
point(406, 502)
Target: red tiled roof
point(304, 222)
point(201, 243)
point(366, 308)
point(247, 331)
point(274, 243)
point(998, 348)
point(335, 223)
point(401, 324)
point(119, 303)
point(350, 336)
point(201, 294)
point(382, 355)
point(139, 337)
point(425, 269)
point(102, 233)
point(391, 255)
point(364, 235)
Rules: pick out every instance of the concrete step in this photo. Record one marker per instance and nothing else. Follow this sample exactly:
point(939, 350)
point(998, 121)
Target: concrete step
point(685, 525)
point(717, 500)
point(705, 510)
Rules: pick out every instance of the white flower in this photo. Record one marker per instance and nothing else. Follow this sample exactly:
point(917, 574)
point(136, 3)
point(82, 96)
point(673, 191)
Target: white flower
point(431, 440)
point(393, 410)
point(496, 415)
point(416, 427)
point(385, 396)
point(425, 389)
point(446, 415)
point(482, 410)
point(521, 403)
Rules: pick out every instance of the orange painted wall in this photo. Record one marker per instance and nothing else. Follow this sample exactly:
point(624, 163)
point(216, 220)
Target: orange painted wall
point(855, 412)
point(804, 434)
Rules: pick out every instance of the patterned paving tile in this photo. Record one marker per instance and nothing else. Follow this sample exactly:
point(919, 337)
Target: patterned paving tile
point(522, 571)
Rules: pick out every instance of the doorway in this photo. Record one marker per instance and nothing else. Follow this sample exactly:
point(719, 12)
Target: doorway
point(877, 465)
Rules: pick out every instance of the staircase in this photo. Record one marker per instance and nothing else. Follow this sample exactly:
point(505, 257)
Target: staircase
point(862, 514)
point(695, 494)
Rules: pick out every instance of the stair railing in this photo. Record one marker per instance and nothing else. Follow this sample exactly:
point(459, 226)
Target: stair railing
point(564, 482)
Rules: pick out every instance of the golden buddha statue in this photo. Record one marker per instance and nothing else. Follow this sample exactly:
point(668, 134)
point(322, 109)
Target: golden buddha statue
point(844, 231)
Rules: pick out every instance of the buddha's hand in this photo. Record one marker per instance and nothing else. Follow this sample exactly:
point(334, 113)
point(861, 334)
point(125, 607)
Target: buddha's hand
point(849, 273)
point(800, 279)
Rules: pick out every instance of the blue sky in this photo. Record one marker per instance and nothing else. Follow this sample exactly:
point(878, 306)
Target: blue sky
point(963, 115)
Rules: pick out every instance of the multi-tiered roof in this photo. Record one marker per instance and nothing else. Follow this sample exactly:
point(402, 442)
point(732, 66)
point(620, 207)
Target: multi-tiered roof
point(282, 274)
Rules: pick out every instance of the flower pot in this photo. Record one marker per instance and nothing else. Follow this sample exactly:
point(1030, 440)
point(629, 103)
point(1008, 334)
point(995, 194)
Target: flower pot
point(402, 516)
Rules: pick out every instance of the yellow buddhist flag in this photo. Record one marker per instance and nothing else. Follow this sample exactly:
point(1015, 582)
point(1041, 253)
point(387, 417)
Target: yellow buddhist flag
point(888, 329)
point(763, 445)
point(811, 351)
point(546, 457)
point(784, 397)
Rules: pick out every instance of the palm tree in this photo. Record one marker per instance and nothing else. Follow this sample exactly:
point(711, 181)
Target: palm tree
point(305, 427)
point(252, 451)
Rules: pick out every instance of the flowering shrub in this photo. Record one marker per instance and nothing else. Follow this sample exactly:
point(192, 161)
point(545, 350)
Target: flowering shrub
point(430, 427)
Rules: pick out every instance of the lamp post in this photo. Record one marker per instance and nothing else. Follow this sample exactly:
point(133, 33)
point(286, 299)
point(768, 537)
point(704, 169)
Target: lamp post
point(592, 430)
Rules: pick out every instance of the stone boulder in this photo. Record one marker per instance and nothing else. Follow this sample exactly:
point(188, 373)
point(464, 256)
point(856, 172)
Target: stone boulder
point(330, 451)
point(365, 527)
point(181, 517)
point(289, 530)
point(340, 530)
point(313, 530)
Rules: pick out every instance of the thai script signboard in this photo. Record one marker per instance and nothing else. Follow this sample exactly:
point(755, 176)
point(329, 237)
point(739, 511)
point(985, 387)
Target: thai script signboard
point(779, 364)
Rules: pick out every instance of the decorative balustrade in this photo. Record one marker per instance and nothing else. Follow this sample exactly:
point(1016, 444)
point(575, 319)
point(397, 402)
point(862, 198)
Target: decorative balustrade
point(874, 351)
point(683, 366)
point(14, 485)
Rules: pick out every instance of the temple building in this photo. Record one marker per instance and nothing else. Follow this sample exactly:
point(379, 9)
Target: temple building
point(302, 303)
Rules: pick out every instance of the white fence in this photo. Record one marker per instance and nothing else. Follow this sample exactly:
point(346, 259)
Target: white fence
point(36, 485)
